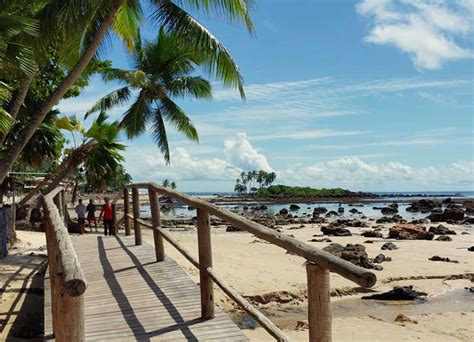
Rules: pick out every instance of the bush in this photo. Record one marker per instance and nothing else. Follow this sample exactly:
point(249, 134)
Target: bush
point(297, 191)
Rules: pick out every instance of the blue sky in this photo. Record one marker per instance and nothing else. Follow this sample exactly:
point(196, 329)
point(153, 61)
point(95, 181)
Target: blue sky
point(370, 95)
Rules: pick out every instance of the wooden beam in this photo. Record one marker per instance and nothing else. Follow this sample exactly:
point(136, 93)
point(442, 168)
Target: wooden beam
point(319, 303)
point(259, 317)
point(126, 210)
point(335, 264)
point(205, 261)
point(136, 215)
point(114, 220)
point(156, 223)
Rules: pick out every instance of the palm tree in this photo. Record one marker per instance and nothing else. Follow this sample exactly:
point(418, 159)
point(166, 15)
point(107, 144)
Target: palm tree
point(173, 185)
point(163, 70)
point(166, 183)
point(99, 151)
point(123, 15)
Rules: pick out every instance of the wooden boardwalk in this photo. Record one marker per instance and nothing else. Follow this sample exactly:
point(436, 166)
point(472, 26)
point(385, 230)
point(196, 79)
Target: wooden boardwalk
point(132, 297)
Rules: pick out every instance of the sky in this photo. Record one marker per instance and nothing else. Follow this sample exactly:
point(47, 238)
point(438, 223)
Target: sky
point(369, 95)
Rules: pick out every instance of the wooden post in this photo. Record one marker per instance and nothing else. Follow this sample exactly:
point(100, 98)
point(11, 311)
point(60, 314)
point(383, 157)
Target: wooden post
point(319, 303)
point(136, 216)
point(58, 201)
point(126, 210)
point(205, 261)
point(63, 201)
point(156, 223)
point(114, 220)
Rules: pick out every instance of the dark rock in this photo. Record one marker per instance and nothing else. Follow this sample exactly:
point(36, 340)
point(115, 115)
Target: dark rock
point(294, 207)
point(393, 219)
point(455, 214)
point(368, 241)
point(393, 205)
point(353, 211)
point(283, 211)
point(423, 205)
point(399, 293)
point(409, 232)
point(438, 258)
point(404, 319)
point(191, 208)
point(381, 258)
point(471, 249)
point(447, 200)
point(232, 229)
point(441, 230)
point(372, 233)
point(467, 220)
point(340, 210)
point(465, 233)
point(443, 238)
point(353, 253)
point(321, 240)
point(317, 219)
point(389, 211)
point(348, 223)
point(319, 211)
point(335, 231)
point(389, 246)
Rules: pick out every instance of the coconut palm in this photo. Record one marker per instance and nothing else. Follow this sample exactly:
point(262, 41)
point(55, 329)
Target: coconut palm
point(163, 71)
point(166, 183)
point(122, 15)
point(173, 185)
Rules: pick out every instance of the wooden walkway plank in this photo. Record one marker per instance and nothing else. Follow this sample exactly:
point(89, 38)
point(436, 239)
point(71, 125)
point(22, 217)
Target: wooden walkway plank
point(132, 297)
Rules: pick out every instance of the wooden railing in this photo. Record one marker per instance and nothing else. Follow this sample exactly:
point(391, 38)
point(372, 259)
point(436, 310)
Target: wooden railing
point(319, 263)
point(68, 283)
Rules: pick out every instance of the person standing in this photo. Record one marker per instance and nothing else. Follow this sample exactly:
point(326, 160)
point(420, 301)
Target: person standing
point(91, 214)
point(81, 216)
point(106, 215)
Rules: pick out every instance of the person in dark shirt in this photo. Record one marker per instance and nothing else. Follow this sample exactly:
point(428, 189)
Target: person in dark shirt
point(90, 209)
point(106, 214)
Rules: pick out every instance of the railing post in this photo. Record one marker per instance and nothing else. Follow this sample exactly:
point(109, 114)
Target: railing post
point(205, 261)
point(59, 204)
point(126, 210)
point(64, 207)
point(156, 222)
point(114, 220)
point(319, 303)
point(136, 215)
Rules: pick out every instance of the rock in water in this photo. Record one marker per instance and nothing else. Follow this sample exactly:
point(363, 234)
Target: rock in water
point(409, 232)
point(389, 246)
point(332, 213)
point(438, 258)
point(441, 230)
point(283, 212)
point(454, 214)
point(319, 211)
point(294, 207)
point(389, 211)
point(423, 206)
point(399, 293)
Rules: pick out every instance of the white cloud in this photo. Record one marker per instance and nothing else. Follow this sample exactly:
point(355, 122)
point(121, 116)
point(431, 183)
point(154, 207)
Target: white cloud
point(429, 31)
point(355, 174)
point(306, 134)
point(240, 153)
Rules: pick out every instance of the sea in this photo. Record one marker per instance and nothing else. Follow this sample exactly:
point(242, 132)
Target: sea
point(368, 209)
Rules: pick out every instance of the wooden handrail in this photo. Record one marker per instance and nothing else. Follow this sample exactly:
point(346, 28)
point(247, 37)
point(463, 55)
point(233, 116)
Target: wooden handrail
point(68, 282)
point(318, 262)
point(75, 282)
point(335, 264)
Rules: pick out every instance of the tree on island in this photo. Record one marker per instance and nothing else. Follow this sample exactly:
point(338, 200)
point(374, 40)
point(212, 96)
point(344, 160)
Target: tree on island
point(246, 182)
point(169, 184)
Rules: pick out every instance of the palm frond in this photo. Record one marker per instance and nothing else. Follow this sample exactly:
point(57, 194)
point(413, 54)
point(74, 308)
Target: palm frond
point(196, 86)
point(136, 117)
point(159, 135)
point(218, 59)
point(173, 114)
point(112, 99)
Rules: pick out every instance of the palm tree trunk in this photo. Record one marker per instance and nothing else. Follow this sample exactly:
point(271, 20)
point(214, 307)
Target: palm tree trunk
point(12, 154)
point(19, 99)
point(74, 193)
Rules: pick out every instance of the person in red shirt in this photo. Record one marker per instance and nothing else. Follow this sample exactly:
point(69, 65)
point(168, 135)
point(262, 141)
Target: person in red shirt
point(106, 215)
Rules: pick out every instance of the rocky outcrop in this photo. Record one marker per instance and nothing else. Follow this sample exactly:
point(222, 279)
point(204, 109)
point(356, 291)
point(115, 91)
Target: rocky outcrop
point(423, 206)
point(438, 258)
point(441, 230)
point(372, 233)
point(443, 238)
point(409, 232)
point(319, 211)
point(335, 231)
point(294, 207)
point(399, 293)
point(352, 253)
point(452, 213)
point(381, 258)
point(389, 211)
point(393, 219)
point(283, 212)
point(389, 246)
